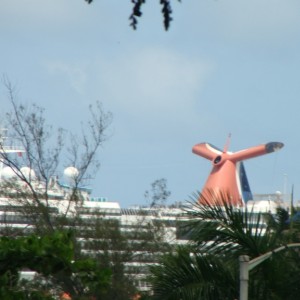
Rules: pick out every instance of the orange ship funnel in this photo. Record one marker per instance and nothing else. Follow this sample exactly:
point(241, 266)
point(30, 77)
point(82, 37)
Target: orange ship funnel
point(228, 177)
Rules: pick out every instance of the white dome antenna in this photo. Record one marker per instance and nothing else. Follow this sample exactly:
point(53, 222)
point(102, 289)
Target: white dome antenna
point(28, 173)
point(8, 173)
point(70, 175)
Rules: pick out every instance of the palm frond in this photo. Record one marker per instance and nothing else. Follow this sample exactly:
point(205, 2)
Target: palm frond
point(227, 229)
point(186, 274)
point(207, 268)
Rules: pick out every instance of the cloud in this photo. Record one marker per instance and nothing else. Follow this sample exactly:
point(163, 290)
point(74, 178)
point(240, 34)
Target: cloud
point(56, 17)
point(263, 21)
point(74, 75)
point(53, 15)
point(155, 81)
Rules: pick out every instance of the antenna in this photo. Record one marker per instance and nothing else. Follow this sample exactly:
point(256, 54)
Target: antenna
point(227, 143)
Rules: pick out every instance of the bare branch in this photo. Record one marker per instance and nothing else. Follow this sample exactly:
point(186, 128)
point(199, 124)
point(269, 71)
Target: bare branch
point(34, 156)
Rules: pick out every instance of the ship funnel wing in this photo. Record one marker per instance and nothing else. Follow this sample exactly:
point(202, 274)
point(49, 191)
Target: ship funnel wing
point(273, 146)
point(207, 150)
point(256, 151)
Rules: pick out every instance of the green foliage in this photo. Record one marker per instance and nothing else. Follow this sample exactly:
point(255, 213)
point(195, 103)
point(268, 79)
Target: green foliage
point(166, 11)
point(207, 268)
point(186, 274)
point(51, 256)
point(158, 194)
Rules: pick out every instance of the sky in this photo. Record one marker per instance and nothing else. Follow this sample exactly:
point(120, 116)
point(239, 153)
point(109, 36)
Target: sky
point(223, 67)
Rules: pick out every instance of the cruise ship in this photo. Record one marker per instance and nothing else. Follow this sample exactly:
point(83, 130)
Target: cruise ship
point(148, 230)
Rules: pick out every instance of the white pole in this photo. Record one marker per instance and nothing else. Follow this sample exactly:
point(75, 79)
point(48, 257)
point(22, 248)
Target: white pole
point(246, 266)
point(244, 276)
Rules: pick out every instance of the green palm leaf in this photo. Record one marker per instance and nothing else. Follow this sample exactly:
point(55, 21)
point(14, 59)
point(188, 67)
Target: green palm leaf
point(185, 275)
point(208, 268)
point(232, 231)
